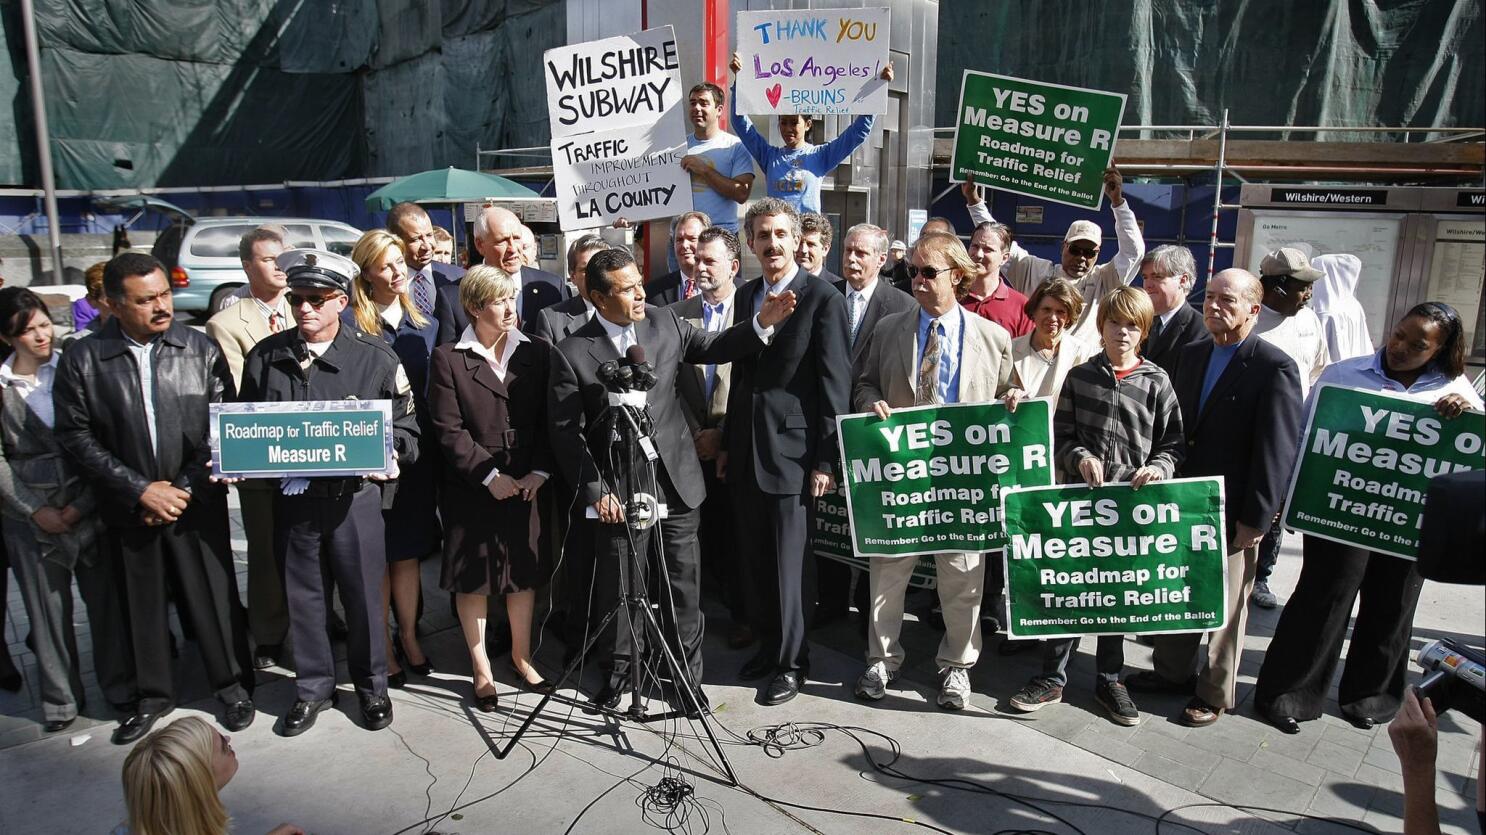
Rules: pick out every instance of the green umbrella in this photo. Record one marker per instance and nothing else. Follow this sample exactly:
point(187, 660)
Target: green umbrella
point(445, 185)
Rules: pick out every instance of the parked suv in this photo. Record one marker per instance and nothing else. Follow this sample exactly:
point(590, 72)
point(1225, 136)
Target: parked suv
point(201, 254)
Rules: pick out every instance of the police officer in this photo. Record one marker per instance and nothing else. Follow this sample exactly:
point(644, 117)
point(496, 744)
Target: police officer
point(331, 525)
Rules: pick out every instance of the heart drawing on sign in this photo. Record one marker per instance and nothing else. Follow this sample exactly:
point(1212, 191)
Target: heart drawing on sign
point(773, 94)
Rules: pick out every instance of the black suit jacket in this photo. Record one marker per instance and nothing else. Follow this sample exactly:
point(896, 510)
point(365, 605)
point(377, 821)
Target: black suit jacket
point(539, 289)
point(664, 291)
point(1184, 330)
point(445, 274)
point(784, 400)
point(1248, 432)
point(559, 321)
point(885, 299)
point(578, 399)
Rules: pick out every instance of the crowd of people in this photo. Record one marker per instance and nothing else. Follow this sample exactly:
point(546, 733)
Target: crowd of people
point(498, 391)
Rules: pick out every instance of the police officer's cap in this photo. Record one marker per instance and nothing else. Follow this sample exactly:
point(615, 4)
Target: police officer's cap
point(319, 269)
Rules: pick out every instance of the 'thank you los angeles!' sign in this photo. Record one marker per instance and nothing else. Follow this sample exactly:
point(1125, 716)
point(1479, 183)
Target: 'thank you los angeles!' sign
point(317, 438)
point(813, 61)
point(618, 134)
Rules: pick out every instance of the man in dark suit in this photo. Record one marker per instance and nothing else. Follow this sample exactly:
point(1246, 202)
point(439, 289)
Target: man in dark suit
point(815, 245)
point(680, 284)
point(781, 442)
point(1240, 401)
point(410, 223)
point(498, 240)
point(1167, 273)
point(559, 321)
point(704, 399)
point(869, 297)
point(580, 404)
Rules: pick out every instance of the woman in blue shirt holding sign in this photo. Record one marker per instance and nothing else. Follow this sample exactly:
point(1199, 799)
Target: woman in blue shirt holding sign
point(1423, 360)
point(793, 171)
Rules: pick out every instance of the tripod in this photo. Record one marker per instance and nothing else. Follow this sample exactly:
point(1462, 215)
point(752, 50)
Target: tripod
point(631, 472)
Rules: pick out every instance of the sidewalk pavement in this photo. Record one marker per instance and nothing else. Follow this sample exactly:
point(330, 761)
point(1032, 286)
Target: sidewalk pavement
point(1063, 769)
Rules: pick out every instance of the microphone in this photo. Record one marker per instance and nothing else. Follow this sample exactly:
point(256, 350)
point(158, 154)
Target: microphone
point(644, 378)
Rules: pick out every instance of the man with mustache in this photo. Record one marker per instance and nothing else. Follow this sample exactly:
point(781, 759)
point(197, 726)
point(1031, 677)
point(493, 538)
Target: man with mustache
point(166, 520)
point(1081, 246)
point(780, 442)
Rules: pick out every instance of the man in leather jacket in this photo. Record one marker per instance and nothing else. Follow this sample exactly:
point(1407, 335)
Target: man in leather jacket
point(132, 407)
point(328, 524)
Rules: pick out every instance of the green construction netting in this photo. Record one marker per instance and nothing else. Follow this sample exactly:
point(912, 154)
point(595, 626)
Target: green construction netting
point(1413, 63)
point(211, 92)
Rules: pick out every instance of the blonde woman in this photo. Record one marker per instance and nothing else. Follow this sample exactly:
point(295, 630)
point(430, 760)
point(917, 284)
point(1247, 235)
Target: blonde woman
point(381, 306)
point(488, 392)
point(1043, 357)
point(172, 779)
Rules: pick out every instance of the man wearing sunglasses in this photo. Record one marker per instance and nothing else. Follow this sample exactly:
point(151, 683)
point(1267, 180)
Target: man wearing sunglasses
point(331, 525)
point(1080, 254)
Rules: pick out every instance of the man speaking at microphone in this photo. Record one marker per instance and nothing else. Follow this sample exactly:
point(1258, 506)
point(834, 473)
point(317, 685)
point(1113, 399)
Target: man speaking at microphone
point(627, 330)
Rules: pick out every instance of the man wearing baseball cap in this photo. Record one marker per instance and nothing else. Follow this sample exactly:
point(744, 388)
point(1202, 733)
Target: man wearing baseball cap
point(332, 524)
point(895, 269)
point(1286, 322)
point(1081, 248)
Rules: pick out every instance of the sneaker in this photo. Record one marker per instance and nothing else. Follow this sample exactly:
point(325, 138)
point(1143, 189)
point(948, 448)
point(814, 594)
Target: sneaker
point(954, 689)
point(1262, 597)
point(1038, 693)
point(874, 681)
point(1116, 701)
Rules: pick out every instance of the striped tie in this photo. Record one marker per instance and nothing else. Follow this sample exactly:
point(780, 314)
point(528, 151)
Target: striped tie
point(421, 296)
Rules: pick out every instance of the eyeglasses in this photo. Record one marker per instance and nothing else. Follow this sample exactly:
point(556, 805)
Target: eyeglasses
point(1083, 251)
point(317, 302)
point(930, 273)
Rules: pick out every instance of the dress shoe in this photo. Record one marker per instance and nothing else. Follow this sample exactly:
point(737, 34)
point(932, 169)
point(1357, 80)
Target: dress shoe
point(1198, 714)
point(376, 712)
point(239, 715)
point(1149, 681)
point(740, 636)
point(541, 685)
point(57, 725)
point(759, 666)
point(1286, 724)
point(403, 661)
point(397, 680)
point(301, 717)
point(1362, 723)
point(487, 703)
point(784, 687)
point(702, 705)
point(137, 725)
point(606, 699)
point(267, 655)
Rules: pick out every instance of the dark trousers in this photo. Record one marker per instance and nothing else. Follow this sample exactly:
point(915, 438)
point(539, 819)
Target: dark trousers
point(1307, 643)
point(320, 538)
point(1109, 658)
point(194, 556)
point(678, 597)
point(1269, 552)
point(774, 534)
point(833, 584)
point(268, 611)
point(722, 570)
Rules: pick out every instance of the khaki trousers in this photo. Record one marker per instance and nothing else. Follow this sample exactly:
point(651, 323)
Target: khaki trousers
point(1217, 680)
point(961, 586)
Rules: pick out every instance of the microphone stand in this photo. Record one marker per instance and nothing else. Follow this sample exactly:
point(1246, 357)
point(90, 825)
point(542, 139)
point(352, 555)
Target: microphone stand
point(631, 466)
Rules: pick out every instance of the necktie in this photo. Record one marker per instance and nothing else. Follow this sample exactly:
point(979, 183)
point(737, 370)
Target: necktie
point(854, 312)
point(711, 321)
point(690, 288)
point(1155, 332)
point(626, 339)
point(421, 296)
point(275, 322)
point(927, 391)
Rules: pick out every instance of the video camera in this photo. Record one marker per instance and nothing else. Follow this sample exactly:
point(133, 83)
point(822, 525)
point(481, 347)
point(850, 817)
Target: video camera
point(1454, 678)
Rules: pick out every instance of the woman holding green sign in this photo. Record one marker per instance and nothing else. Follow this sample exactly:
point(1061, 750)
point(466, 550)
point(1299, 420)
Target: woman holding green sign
point(1117, 420)
point(1422, 360)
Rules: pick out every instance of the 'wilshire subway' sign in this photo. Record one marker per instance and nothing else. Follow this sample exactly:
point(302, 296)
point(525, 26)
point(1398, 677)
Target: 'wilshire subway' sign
point(630, 87)
point(318, 438)
point(1366, 465)
point(1114, 560)
point(928, 479)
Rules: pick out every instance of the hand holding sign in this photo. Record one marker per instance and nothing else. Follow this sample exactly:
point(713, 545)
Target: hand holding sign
point(1144, 476)
point(777, 307)
point(1114, 186)
point(1451, 406)
point(1092, 470)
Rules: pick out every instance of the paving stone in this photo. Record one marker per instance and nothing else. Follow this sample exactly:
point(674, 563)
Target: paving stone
point(1294, 769)
point(1171, 771)
point(1233, 736)
point(1161, 725)
point(1346, 800)
point(1296, 746)
point(1104, 727)
point(1384, 759)
point(1373, 776)
point(1241, 783)
point(1060, 721)
point(1174, 749)
point(1337, 758)
point(1348, 737)
point(1107, 747)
